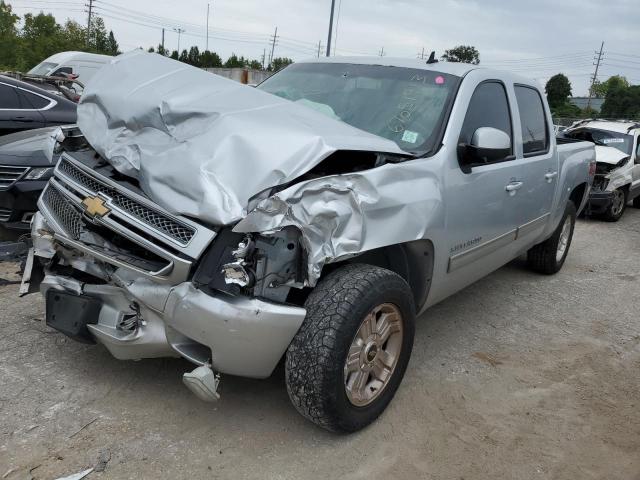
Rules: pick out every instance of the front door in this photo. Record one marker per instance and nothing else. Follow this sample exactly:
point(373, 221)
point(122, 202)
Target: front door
point(480, 225)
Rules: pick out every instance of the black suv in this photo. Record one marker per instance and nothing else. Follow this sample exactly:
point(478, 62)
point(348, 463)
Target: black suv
point(25, 106)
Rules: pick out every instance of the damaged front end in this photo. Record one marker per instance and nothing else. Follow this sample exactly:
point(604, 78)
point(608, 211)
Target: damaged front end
point(610, 175)
point(107, 250)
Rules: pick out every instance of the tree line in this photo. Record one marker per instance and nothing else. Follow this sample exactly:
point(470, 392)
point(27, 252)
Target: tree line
point(621, 100)
point(40, 36)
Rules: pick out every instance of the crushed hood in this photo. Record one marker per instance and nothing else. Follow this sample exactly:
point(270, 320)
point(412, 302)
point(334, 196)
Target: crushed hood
point(30, 148)
point(201, 145)
point(609, 155)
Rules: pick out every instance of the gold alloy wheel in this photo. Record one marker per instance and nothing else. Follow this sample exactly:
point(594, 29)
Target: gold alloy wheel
point(373, 354)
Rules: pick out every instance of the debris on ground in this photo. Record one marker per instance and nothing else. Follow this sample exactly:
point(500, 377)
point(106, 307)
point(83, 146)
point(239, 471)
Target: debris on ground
point(488, 358)
point(77, 476)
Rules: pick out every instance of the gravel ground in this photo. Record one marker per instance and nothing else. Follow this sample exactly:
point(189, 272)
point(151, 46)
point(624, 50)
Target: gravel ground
point(519, 376)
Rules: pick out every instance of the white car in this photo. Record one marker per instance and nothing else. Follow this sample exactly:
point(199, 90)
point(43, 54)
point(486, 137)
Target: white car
point(617, 179)
point(80, 66)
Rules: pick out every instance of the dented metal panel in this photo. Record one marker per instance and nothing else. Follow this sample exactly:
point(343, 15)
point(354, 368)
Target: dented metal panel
point(344, 215)
point(235, 141)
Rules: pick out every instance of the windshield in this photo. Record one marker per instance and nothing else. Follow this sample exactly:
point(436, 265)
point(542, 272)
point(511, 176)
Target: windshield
point(42, 68)
point(617, 140)
point(407, 106)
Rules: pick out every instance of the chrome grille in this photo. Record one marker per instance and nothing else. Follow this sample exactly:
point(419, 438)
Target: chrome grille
point(9, 175)
point(5, 214)
point(159, 221)
point(66, 215)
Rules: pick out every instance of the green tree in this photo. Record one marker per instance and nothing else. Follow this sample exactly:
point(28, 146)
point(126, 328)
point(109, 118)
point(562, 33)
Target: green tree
point(98, 37)
point(279, 63)
point(175, 55)
point(558, 91)
point(162, 51)
point(41, 37)
point(234, 62)
point(8, 37)
point(600, 89)
point(184, 56)
point(193, 58)
point(210, 59)
point(112, 45)
point(622, 102)
point(462, 53)
point(255, 65)
point(151, 50)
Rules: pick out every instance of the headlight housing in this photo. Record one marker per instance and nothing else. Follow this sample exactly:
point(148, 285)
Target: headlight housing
point(39, 173)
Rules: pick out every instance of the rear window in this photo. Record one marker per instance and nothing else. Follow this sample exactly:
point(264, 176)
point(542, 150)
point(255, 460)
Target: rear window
point(35, 101)
point(42, 68)
point(535, 135)
point(9, 99)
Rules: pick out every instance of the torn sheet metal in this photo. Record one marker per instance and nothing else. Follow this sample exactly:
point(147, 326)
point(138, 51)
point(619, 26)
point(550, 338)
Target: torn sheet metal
point(344, 215)
point(609, 155)
point(202, 145)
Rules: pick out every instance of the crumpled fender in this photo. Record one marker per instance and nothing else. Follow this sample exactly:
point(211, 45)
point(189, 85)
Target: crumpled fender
point(343, 215)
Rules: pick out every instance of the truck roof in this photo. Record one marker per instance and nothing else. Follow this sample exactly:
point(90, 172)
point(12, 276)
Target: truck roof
point(621, 126)
point(453, 68)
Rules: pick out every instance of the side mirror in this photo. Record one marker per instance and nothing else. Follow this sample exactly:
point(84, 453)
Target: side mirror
point(487, 145)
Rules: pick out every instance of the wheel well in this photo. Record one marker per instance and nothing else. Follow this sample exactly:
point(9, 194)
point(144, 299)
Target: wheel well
point(577, 195)
point(413, 261)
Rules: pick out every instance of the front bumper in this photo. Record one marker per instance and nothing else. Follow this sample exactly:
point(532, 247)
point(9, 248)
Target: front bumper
point(18, 204)
point(140, 318)
point(599, 202)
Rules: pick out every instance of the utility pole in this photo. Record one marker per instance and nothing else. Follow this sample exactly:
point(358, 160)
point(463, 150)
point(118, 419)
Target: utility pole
point(264, 57)
point(335, 37)
point(273, 45)
point(333, 6)
point(381, 52)
point(595, 74)
point(162, 43)
point(179, 31)
point(89, 22)
point(421, 55)
point(319, 48)
point(207, 45)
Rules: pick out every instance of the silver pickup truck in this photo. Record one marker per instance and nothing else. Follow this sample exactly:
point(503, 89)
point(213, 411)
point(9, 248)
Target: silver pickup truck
point(309, 220)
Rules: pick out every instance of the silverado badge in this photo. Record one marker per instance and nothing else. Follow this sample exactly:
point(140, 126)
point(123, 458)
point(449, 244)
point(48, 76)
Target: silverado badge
point(95, 207)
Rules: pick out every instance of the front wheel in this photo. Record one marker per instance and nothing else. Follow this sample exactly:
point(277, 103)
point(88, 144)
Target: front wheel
point(617, 207)
point(548, 257)
point(346, 362)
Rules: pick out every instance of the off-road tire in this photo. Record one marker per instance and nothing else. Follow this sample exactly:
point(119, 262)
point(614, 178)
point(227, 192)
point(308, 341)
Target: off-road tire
point(314, 368)
point(542, 257)
point(609, 215)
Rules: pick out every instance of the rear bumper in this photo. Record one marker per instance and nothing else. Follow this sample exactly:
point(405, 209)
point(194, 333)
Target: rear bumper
point(19, 203)
point(599, 202)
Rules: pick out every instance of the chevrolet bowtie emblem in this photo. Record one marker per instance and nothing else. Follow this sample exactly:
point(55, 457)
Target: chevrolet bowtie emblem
point(95, 207)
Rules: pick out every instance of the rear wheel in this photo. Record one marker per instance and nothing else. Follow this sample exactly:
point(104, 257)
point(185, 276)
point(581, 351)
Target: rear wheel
point(346, 362)
point(548, 257)
point(617, 207)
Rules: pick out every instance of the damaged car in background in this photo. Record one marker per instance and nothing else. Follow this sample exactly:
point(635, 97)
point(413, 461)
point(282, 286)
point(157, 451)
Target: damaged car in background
point(311, 218)
point(617, 179)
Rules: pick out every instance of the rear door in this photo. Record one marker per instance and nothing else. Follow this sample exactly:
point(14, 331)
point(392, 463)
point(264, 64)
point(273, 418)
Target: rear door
point(537, 164)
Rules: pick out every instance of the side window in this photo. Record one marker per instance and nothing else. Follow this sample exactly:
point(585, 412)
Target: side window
point(488, 107)
point(35, 101)
point(9, 98)
point(61, 71)
point(535, 135)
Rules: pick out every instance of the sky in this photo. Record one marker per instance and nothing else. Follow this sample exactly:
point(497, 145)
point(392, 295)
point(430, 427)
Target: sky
point(536, 38)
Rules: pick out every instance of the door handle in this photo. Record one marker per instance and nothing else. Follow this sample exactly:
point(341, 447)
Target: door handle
point(513, 187)
point(549, 176)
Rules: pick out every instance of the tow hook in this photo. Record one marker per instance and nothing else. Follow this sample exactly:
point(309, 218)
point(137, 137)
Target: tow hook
point(203, 382)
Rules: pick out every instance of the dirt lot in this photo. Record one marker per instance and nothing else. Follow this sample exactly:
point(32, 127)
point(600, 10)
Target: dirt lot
point(519, 376)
